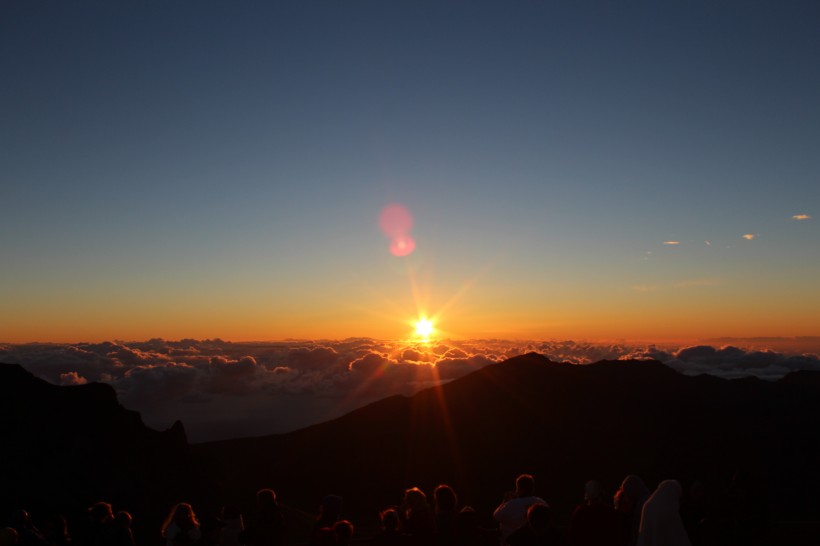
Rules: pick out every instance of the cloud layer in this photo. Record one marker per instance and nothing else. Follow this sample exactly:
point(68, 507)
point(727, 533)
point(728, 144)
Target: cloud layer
point(221, 389)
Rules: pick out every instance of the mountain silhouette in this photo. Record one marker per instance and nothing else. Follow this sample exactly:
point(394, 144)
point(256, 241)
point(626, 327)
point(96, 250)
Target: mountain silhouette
point(563, 423)
point(66, 447)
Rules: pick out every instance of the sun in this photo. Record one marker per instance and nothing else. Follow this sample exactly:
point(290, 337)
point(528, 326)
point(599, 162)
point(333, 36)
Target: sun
point(424, 328)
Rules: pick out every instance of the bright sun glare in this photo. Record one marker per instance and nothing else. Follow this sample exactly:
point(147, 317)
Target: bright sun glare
point(424, 328)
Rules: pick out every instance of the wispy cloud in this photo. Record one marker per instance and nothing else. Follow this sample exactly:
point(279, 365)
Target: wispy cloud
point(646, 287)
point(750, 236)
point(671, 243)
point(695, 283)
point(801, 217)
point(708, 243)
point(689, 283)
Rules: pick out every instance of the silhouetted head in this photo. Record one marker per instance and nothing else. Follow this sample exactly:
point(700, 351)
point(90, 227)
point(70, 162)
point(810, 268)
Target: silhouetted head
point(415, 499)
point(183, 515)
point(445, 498)
point(667, 495)
point(330, 508)
point(593, 492)
point(524, 485)
point(8, 536)
point(266, 498)
point(631, 495)
point(634, 487)
point(467, 520)
point(184, 512)
point(344, 531)
point(55, 528)
point(100, 512)
point(123, 519)
point(539, 516)
point(390, 519)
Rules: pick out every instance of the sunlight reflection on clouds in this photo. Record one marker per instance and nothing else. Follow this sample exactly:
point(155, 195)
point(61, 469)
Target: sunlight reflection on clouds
point(259, 388)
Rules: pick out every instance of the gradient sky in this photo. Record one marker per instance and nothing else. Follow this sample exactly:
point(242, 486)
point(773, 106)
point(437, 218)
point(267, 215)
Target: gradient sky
point(217, 169)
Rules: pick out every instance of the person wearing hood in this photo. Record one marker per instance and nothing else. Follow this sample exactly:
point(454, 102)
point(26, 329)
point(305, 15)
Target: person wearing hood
point(661, 524)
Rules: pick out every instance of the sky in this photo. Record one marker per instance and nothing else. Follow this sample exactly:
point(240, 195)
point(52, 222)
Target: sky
point(573, 170)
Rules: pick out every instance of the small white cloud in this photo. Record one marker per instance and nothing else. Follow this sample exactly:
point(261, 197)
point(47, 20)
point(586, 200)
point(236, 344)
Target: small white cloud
point(695, 283)
point(801, 217)
point(750, 236)
point(708, 243)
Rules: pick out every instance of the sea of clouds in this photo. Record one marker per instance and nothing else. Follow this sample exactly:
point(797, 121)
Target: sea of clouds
point(220, 389)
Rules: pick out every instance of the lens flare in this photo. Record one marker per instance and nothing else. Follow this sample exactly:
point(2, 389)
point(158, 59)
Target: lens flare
point(396, 222)
point(402, 246)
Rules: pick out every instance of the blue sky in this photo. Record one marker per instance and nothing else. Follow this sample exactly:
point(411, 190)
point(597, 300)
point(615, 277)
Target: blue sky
point(222, 166)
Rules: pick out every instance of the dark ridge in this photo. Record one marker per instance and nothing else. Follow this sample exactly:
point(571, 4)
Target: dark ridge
point(67, 447)
point(564, 423)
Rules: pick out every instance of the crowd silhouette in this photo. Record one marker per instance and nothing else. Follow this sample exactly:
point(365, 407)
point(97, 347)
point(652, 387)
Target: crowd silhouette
point(631, 516)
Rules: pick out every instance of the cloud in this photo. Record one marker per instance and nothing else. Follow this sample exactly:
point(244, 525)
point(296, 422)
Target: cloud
point(221, 389)
point(671, 243)
point(369, 363)
point(695, 283)
point(646, 287)
point(318, 358)
point(801, 217)
point(72, 378)
point(692, 283)
point(750, 236)
point(731, 362)
point(452, 368)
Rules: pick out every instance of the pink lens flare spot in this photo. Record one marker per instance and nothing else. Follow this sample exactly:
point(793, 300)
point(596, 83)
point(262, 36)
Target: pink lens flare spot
point(395, 221)
point(402, 246)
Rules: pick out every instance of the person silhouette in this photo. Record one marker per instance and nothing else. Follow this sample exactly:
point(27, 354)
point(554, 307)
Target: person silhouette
point(417, 519)
point(512, 513)
point(661, 524)
point(268, 525)
point(232, 526)
point(99, 530)
point(27, 533)
point(8, 536)
point(539, 530)
point(445, 508)
point(594, 522)
point(330, 511)
point(629, 501)
point(181, 527)
point(344, 532)
point(123, 536)
point(55, 531)
point(389, 534)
